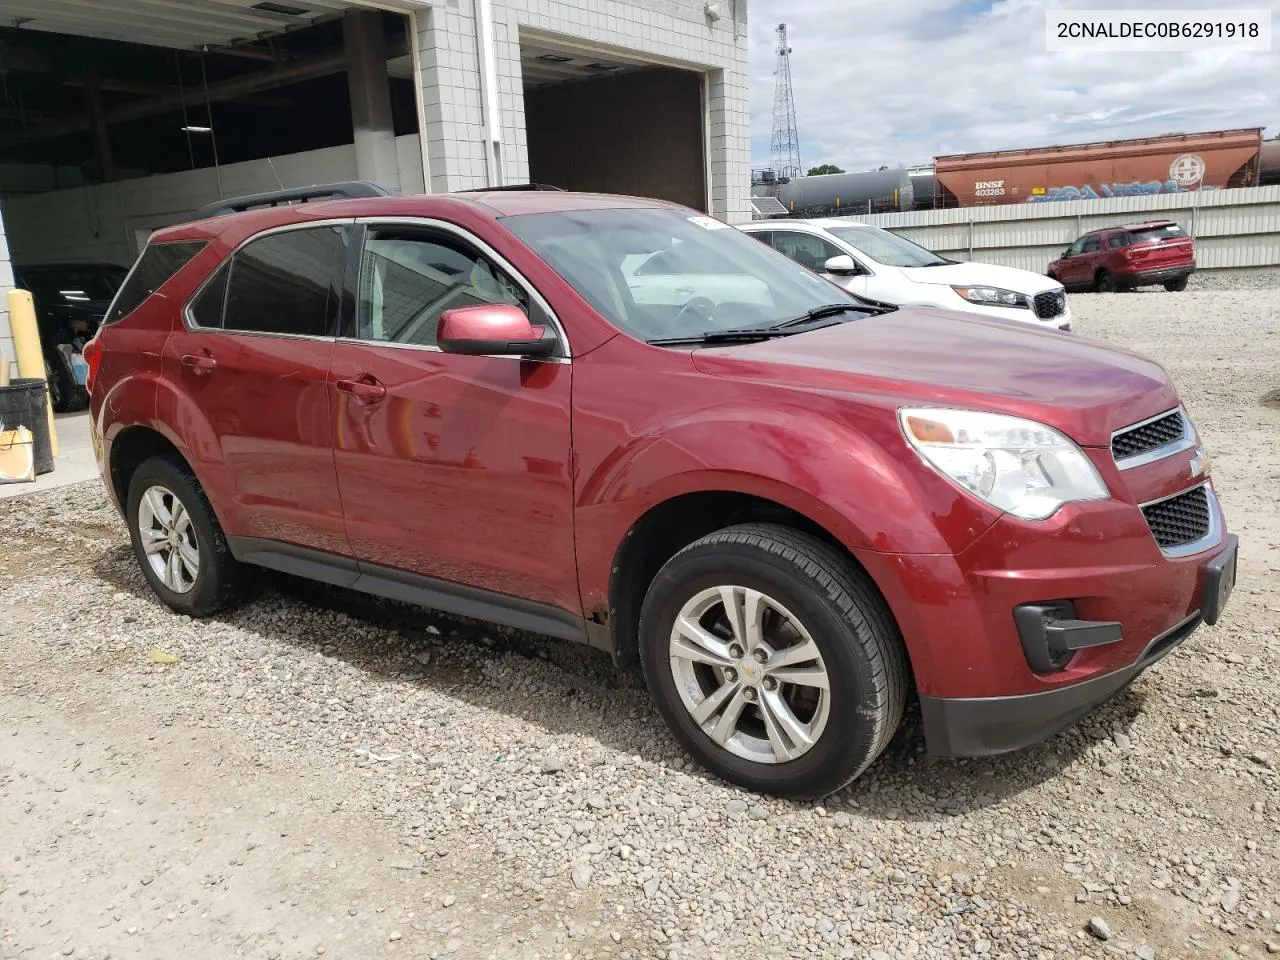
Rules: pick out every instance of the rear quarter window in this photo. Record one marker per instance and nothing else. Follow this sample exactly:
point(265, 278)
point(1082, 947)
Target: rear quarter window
point(158, 263)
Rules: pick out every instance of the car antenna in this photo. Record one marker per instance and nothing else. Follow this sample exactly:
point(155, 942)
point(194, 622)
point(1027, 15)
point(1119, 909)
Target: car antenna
point(279, 182)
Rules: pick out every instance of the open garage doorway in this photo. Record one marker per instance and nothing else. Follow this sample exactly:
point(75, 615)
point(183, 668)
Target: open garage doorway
point(121, 116)
point(606, 123)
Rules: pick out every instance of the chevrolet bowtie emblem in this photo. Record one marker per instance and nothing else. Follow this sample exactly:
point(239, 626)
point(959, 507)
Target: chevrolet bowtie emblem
point(1200, 463)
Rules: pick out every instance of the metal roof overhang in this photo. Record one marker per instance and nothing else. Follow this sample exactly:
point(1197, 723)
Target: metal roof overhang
point(182, 24)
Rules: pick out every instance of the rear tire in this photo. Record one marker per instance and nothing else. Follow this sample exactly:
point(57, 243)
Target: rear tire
point(1176, 286)
point(1104, 282)
point(819, 620)
point(65, 394)
point(177, 540)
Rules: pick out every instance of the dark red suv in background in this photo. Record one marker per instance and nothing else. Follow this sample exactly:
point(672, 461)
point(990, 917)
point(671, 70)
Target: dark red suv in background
point(789, 505)
point(1120, 258)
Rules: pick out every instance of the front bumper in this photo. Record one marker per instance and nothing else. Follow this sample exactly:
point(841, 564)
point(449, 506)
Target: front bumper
point(980, 726)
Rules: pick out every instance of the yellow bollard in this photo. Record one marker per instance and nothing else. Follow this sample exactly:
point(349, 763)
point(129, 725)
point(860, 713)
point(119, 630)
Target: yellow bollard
point(26, 343)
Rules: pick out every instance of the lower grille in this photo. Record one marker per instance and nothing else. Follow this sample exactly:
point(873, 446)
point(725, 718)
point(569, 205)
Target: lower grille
point(1050, 304)
point(1149, 436)
point(1179, 520)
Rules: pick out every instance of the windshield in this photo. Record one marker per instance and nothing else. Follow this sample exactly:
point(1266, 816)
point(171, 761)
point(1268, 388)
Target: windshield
point(887, 248)
point(73, 283)
point(661, 274)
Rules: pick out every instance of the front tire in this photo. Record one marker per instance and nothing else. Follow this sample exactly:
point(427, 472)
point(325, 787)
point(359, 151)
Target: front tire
point(177, 540)
point(773, 659)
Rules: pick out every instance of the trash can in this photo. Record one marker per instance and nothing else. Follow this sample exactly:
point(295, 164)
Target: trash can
point(22, 404)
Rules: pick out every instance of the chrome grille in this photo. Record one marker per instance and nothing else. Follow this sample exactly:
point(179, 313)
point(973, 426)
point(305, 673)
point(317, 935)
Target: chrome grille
point(1051, 303)
point(1148, 436)
point(1179, 520)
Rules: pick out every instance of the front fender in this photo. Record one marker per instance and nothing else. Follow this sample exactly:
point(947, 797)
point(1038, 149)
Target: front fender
point(844, 476)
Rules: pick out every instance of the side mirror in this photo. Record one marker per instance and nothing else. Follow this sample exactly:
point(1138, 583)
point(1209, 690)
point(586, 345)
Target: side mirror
point(493, 329)
point(842, 265)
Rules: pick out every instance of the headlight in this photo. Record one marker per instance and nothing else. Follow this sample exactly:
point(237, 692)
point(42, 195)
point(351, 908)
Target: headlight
point(1018, 466)
point(993, 296)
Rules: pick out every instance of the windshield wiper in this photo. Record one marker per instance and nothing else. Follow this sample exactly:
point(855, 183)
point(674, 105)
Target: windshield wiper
point(815, 319)
point(831, 310)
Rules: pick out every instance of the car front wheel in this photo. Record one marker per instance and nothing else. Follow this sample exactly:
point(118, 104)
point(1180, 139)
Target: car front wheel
point(773, 659)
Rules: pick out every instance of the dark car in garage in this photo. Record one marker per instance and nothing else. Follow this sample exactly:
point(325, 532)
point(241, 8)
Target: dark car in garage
point(70, 300)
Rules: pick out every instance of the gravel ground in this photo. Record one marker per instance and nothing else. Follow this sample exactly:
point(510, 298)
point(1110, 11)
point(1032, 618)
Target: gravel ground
point(324, 774)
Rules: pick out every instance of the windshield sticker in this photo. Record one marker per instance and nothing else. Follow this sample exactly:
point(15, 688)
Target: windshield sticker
point(709, 223)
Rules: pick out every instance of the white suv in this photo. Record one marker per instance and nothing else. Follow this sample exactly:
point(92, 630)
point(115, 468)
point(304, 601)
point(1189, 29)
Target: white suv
point(875, 263)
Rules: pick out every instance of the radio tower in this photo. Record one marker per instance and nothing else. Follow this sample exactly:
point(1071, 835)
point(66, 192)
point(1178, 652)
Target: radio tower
point(786, 141)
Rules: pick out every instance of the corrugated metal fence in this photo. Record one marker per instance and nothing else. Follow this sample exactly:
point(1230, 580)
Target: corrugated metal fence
point(1234, 229)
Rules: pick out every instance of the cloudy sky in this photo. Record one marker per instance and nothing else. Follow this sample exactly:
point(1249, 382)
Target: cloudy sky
point(900, 81)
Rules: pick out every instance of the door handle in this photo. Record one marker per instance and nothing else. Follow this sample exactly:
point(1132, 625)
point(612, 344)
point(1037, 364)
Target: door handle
point(366, 388)
point(199, 363)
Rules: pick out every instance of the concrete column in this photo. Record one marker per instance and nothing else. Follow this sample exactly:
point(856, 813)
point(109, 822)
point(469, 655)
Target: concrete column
point(450, 79)
point(375, 138)
point(6, 284)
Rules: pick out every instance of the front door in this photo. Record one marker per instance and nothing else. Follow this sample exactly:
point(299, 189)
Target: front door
point(451, 467)
point(254, 359)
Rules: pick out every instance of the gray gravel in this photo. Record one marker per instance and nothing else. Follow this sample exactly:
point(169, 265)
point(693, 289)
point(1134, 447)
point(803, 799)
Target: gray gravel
point(322, 773)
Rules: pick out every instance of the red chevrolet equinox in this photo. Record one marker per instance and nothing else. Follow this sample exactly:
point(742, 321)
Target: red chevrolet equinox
point(793, 508)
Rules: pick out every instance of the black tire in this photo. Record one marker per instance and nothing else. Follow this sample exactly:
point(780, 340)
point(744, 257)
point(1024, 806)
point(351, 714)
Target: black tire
point(65, 394)
point(220, 576)
point(1104, 282)
point(1176, 286)
point(860, 644)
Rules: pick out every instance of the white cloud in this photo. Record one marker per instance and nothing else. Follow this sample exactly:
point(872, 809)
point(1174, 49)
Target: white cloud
point(901, 81)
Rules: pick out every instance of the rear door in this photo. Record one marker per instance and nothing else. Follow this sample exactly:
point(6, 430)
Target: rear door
point(1159, 247)
point(253, 357)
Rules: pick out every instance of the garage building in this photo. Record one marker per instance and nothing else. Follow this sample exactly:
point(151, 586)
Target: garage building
point(121, 116)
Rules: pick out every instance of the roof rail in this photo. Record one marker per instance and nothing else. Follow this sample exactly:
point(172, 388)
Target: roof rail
point(522, 187)
point(349, 189)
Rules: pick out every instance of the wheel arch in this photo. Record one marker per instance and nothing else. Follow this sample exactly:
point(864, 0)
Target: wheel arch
point(669, 526)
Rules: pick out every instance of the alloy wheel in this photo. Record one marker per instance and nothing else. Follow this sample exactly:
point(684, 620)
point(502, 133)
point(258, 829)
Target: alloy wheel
point(168, 539)
point(750, 674)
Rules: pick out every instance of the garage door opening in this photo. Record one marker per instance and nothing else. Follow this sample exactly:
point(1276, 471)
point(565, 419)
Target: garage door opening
point(103, 139)
point(607, 124)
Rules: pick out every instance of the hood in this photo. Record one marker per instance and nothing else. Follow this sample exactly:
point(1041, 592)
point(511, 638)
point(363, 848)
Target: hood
point(929, 357)
point(970, 273)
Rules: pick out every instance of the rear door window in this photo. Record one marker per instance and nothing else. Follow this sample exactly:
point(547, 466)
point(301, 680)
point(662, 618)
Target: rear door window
point(206, 308)
point(1091, 244)
point(284, 283)
point(158, 263)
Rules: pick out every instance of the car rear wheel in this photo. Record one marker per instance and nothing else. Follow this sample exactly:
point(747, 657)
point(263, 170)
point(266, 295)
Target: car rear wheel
point(1105, 283)
point(1176, 286)
point(177, 540)
point(64, 393)
point(773, 659)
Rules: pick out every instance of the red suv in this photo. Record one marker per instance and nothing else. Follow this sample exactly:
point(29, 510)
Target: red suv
point(1121, 258)
point(792, 507)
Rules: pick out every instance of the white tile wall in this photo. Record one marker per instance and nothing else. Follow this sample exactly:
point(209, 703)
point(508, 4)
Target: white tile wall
point(6, 284)
point(673, 32)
